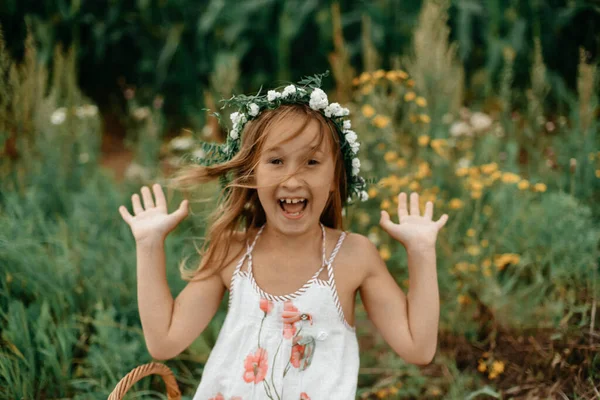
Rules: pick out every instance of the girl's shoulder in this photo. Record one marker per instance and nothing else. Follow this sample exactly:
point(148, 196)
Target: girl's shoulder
point(354, 253)
point(236, 249)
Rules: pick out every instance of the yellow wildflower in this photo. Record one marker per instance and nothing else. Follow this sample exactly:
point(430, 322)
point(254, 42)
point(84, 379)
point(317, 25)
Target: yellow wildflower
point(462, 171)
point(496, 175)
point(470, 232)
point(363, 218)
point(462, 266)
point(380, 146)
point(540, 187)
point(372, 192)
point(423, 140)
point(463, 299)
point(421, 102)
point(381, 121)
point(597, 173)
point(390, 156)
point(476, 186)
point(481, 367)
point(401, 74)
point(401, 162)
point(473, 250)
point(455, 204)
point(492, 375)
point(393, 389)
point(366, 89)
point(485, 243)
point(472, 267)
point(385, 253)
point(413, 118)
point(391, 75)
point(410, 96)
point(476, 195)
point(487, 271)
point(425, 118)
point(487, 263)
point(410, 83)
point(382, 393)
point(489, 168)
point(591, 156)
point(385, 204)
point(368, 111)
point(364, 77)
point(435, 391)
point(356, 81)
point(498, 367)
point(379, 74)
point(414, 185)
point(509, 177)
point(437, 143)
point(523, 184)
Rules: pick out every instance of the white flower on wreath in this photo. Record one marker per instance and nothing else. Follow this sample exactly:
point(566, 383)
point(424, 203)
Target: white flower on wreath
point(347, 124)
point(355, 166)
point(364, 196)
point(238, 118)
point(290, 89)
point(355, 146)
point(334, 109)
point(318, 99)
point(350, 136)
point(273, 95)
point(253, 109)
point(234, 134)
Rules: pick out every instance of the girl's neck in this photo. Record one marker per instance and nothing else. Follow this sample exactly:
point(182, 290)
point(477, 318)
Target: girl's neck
point(307, 242)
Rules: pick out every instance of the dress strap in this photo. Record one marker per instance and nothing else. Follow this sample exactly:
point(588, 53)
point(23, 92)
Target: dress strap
point(331, 281)
point(249, 249)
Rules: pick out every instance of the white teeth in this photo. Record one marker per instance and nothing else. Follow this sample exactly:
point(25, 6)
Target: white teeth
point(291, 201)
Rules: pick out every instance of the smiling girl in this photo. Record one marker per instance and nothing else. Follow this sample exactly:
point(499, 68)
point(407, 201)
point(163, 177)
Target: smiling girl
point(277, 244)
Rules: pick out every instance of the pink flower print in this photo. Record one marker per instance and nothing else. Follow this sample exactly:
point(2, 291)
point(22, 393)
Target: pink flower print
point(266, 305)
point(236, 398)
point(297, 355)
point(219, 396)
point(256, 366)
point(304, 396)
point(290, 315)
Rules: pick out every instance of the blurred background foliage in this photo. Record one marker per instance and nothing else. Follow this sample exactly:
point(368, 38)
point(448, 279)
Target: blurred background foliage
point(491, 112)
point(179, 47)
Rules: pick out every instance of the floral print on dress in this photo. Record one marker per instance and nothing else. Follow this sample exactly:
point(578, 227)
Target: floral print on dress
point(304, 396)
point(256, 366)
point(220, 396)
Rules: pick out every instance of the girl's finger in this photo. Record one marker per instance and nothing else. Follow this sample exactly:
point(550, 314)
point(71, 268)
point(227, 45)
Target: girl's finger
point(402, 210)
point(428, 210)
point(137, 206)
point(160, 196)
point(442, 221)
point(182, 211)
point(414, 204)
point(147, 196)
point(125, 214)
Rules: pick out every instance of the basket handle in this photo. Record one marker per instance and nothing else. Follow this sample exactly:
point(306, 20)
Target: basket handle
point(142, 371)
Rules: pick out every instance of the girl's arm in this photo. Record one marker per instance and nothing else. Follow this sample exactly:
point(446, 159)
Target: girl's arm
point(170, 326)
point(409, 324)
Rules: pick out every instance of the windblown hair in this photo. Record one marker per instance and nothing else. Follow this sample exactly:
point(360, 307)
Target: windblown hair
point(239, 208)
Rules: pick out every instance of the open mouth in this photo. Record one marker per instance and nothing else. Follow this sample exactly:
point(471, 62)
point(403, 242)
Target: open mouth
point(293, 207)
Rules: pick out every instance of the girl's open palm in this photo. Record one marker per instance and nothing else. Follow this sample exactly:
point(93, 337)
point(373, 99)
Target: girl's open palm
point(413, 229)
point(152, 221)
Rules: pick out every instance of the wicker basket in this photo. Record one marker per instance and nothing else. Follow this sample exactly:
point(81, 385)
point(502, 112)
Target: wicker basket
point(142, 371)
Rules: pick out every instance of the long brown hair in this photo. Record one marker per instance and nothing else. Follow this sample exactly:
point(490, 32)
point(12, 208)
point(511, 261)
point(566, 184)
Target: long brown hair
point(241, 207)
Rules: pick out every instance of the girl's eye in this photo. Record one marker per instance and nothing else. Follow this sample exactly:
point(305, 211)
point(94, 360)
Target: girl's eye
point(275, 161)
point(314, 162)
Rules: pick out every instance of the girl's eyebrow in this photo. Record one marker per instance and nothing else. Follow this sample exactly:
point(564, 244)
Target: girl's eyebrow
point(278, 149)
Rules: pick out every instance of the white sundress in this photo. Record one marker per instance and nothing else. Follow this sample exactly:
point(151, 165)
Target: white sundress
point(312, 354)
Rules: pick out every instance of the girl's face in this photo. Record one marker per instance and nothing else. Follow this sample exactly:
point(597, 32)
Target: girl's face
point(282, 154)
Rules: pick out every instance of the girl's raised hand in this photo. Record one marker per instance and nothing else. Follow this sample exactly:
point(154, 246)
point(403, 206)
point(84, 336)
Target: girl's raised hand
point(152, 221)
point(413, 229)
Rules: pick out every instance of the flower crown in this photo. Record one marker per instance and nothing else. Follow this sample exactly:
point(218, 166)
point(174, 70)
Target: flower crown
point(307, 90)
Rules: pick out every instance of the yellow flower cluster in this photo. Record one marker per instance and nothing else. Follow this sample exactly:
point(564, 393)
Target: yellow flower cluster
point(494, 368)
point(502, 260)
point(366, 78)
point(384, 392)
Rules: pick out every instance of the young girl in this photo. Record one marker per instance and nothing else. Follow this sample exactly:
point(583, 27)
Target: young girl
point(277, 245)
